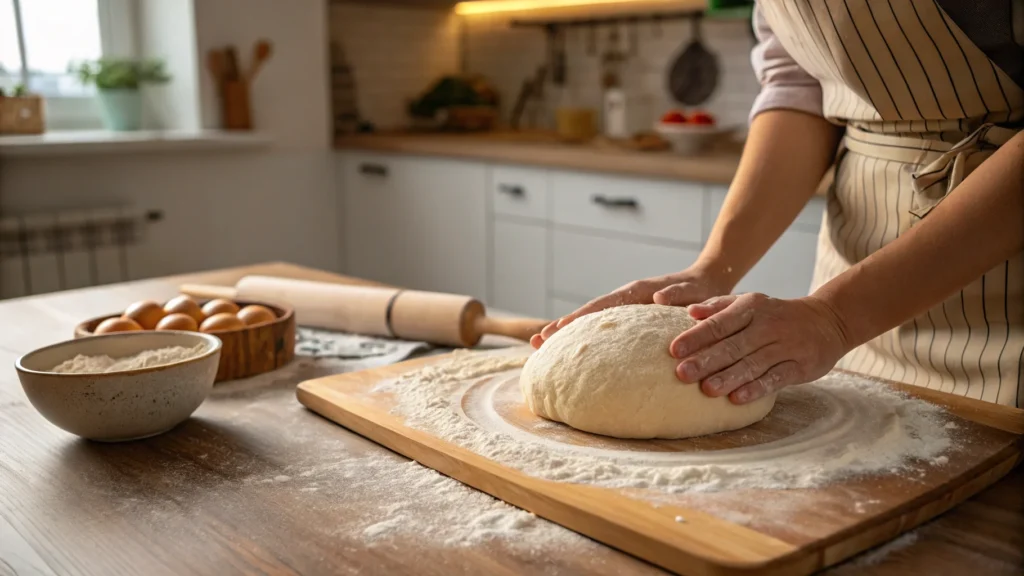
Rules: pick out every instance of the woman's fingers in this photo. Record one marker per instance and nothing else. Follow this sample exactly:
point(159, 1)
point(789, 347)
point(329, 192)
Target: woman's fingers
point(536, 340)
point(720, 356)
point(548, 330)
point(735, 316)
point(745, 370)
point(710, 307)
point(776, 378)
point(682, 294)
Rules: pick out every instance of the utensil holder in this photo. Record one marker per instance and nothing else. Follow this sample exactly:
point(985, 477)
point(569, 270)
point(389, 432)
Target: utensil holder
point(236, 110)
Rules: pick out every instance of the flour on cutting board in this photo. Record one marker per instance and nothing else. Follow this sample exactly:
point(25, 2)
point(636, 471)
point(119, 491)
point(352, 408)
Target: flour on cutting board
point(868, 428)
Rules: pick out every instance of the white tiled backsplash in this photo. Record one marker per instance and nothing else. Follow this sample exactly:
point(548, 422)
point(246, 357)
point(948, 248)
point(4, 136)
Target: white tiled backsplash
point(397, 52)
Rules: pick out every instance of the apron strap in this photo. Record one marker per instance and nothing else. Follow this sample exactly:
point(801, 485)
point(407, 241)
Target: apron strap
point(940, 166)
point(935, 180)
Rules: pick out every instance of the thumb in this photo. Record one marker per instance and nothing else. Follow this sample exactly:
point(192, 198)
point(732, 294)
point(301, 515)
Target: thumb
point(677, 295)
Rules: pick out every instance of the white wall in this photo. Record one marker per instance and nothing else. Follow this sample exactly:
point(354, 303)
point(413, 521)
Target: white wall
point(395, 52)
point(509, 55)
point(222, 207)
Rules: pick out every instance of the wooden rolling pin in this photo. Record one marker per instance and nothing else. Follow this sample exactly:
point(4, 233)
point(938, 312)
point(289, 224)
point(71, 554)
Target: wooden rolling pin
point(407, 314)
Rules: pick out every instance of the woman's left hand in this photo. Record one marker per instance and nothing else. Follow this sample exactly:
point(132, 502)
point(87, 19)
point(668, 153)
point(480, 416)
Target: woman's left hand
point(751, 345)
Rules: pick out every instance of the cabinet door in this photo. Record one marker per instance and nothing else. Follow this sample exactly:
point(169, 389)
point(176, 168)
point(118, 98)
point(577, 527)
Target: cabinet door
point(519, 268)
point(586, 266)
point(369, 198)
point(786, 270)
point(441, 223)
point(420, 223)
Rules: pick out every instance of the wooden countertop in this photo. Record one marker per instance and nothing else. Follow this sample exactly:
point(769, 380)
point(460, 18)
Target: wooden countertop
point(184, 502)
point(544, 149)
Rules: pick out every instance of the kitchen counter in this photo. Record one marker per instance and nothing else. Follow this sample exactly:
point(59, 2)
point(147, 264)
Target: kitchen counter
point(716, 166)
point(232, 489)
point(538, 148)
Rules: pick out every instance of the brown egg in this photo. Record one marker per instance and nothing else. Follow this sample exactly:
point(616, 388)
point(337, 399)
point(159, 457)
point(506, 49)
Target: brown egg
point(119, 324)
point(256, 314)
point(219, 305)
point(178, 321)
point(221, 322)
point(146, 312)
point(185, 305)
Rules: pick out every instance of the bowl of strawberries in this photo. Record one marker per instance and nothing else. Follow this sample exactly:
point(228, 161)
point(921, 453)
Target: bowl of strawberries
point(689, 133)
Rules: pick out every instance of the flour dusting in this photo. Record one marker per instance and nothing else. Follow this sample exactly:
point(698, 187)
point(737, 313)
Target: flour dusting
point(869, 429)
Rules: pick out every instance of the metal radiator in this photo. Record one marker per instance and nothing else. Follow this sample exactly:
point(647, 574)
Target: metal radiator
point(47, 251)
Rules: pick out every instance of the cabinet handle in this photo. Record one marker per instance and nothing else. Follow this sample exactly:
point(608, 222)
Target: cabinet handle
point(373, 169)
point(512, 190)
point(630, 203)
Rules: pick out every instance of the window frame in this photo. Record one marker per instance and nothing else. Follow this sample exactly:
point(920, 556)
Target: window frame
point(118, 24)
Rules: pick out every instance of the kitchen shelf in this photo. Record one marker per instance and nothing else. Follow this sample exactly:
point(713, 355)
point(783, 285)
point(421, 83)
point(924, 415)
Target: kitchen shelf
point(64, 143)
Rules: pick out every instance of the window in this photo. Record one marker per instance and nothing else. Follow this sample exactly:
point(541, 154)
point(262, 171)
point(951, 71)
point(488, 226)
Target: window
point(40, 38)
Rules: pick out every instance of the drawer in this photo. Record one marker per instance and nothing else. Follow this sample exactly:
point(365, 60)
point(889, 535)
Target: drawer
point(586, 265)
point(808, 220)
point(519, 268)
point(666, 210)
point(519, 192)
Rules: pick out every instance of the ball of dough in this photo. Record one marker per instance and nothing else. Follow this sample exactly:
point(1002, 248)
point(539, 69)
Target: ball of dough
point(611, 373)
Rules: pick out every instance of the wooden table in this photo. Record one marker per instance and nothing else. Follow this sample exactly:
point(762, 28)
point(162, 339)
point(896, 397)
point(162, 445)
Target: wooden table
point(180, 503)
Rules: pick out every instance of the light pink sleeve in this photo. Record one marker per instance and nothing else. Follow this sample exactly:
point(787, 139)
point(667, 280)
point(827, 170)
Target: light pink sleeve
point(784, 84)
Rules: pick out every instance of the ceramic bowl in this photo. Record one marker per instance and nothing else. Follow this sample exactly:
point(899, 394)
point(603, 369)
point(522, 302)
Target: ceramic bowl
point(126, 405)
point(690, 138)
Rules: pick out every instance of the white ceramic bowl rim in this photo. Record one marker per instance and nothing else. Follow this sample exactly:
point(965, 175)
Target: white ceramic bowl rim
point(692, 128)
point(214, 345)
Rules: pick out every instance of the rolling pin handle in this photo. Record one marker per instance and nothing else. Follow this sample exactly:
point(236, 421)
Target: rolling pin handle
point(208, 291)
point(518, 328)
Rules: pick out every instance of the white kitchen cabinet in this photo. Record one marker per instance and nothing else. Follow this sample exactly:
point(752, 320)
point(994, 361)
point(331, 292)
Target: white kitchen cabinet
point(416, 222)
point(519, 268)
point(786, 269)
point(666, 210)
point(588, 265)
point(520, 192)
point(563, 306)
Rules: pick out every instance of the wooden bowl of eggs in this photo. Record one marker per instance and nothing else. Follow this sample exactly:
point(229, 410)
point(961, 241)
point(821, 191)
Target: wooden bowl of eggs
point(256, 337)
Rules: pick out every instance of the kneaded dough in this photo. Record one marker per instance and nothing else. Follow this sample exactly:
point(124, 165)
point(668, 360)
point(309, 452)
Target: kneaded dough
point(611, 373)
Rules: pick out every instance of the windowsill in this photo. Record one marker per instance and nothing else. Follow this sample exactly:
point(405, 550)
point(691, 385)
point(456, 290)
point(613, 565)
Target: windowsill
point(106, 142)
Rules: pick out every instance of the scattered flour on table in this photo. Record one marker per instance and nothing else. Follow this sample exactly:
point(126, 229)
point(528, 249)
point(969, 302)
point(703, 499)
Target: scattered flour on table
point(900, 435)
point(82, 364)
point(405, 500)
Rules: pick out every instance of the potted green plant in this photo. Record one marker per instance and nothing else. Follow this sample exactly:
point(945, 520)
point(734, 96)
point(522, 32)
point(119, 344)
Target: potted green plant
point(117, 82)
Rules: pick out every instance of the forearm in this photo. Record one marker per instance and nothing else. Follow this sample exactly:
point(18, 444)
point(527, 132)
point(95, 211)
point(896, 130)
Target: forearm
point(784, 159)
point(978, 226)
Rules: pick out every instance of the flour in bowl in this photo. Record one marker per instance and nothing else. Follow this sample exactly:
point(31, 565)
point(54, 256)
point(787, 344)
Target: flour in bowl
point(101, 364)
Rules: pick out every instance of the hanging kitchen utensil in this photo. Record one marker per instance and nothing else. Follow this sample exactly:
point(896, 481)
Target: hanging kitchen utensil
point(633, 37)
point(694, 74)
point(556, 54)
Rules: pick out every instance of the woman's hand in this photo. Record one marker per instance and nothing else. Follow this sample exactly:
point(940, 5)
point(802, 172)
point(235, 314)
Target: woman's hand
point(680, 289)
point(751, 345)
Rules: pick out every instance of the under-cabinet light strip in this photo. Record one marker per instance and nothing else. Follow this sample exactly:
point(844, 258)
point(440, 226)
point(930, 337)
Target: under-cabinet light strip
point(490, 6)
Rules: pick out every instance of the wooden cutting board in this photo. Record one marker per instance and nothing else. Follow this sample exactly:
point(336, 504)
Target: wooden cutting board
point(727, 532)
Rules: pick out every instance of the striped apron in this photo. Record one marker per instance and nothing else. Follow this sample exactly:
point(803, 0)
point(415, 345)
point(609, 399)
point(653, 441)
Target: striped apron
point(923, 106)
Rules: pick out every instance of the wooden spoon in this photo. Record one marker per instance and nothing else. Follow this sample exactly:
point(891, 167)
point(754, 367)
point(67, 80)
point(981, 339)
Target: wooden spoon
point(260, 53)
point(216, 64)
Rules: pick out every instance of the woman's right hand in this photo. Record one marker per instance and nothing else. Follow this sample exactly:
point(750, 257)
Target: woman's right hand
point(690, 286)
